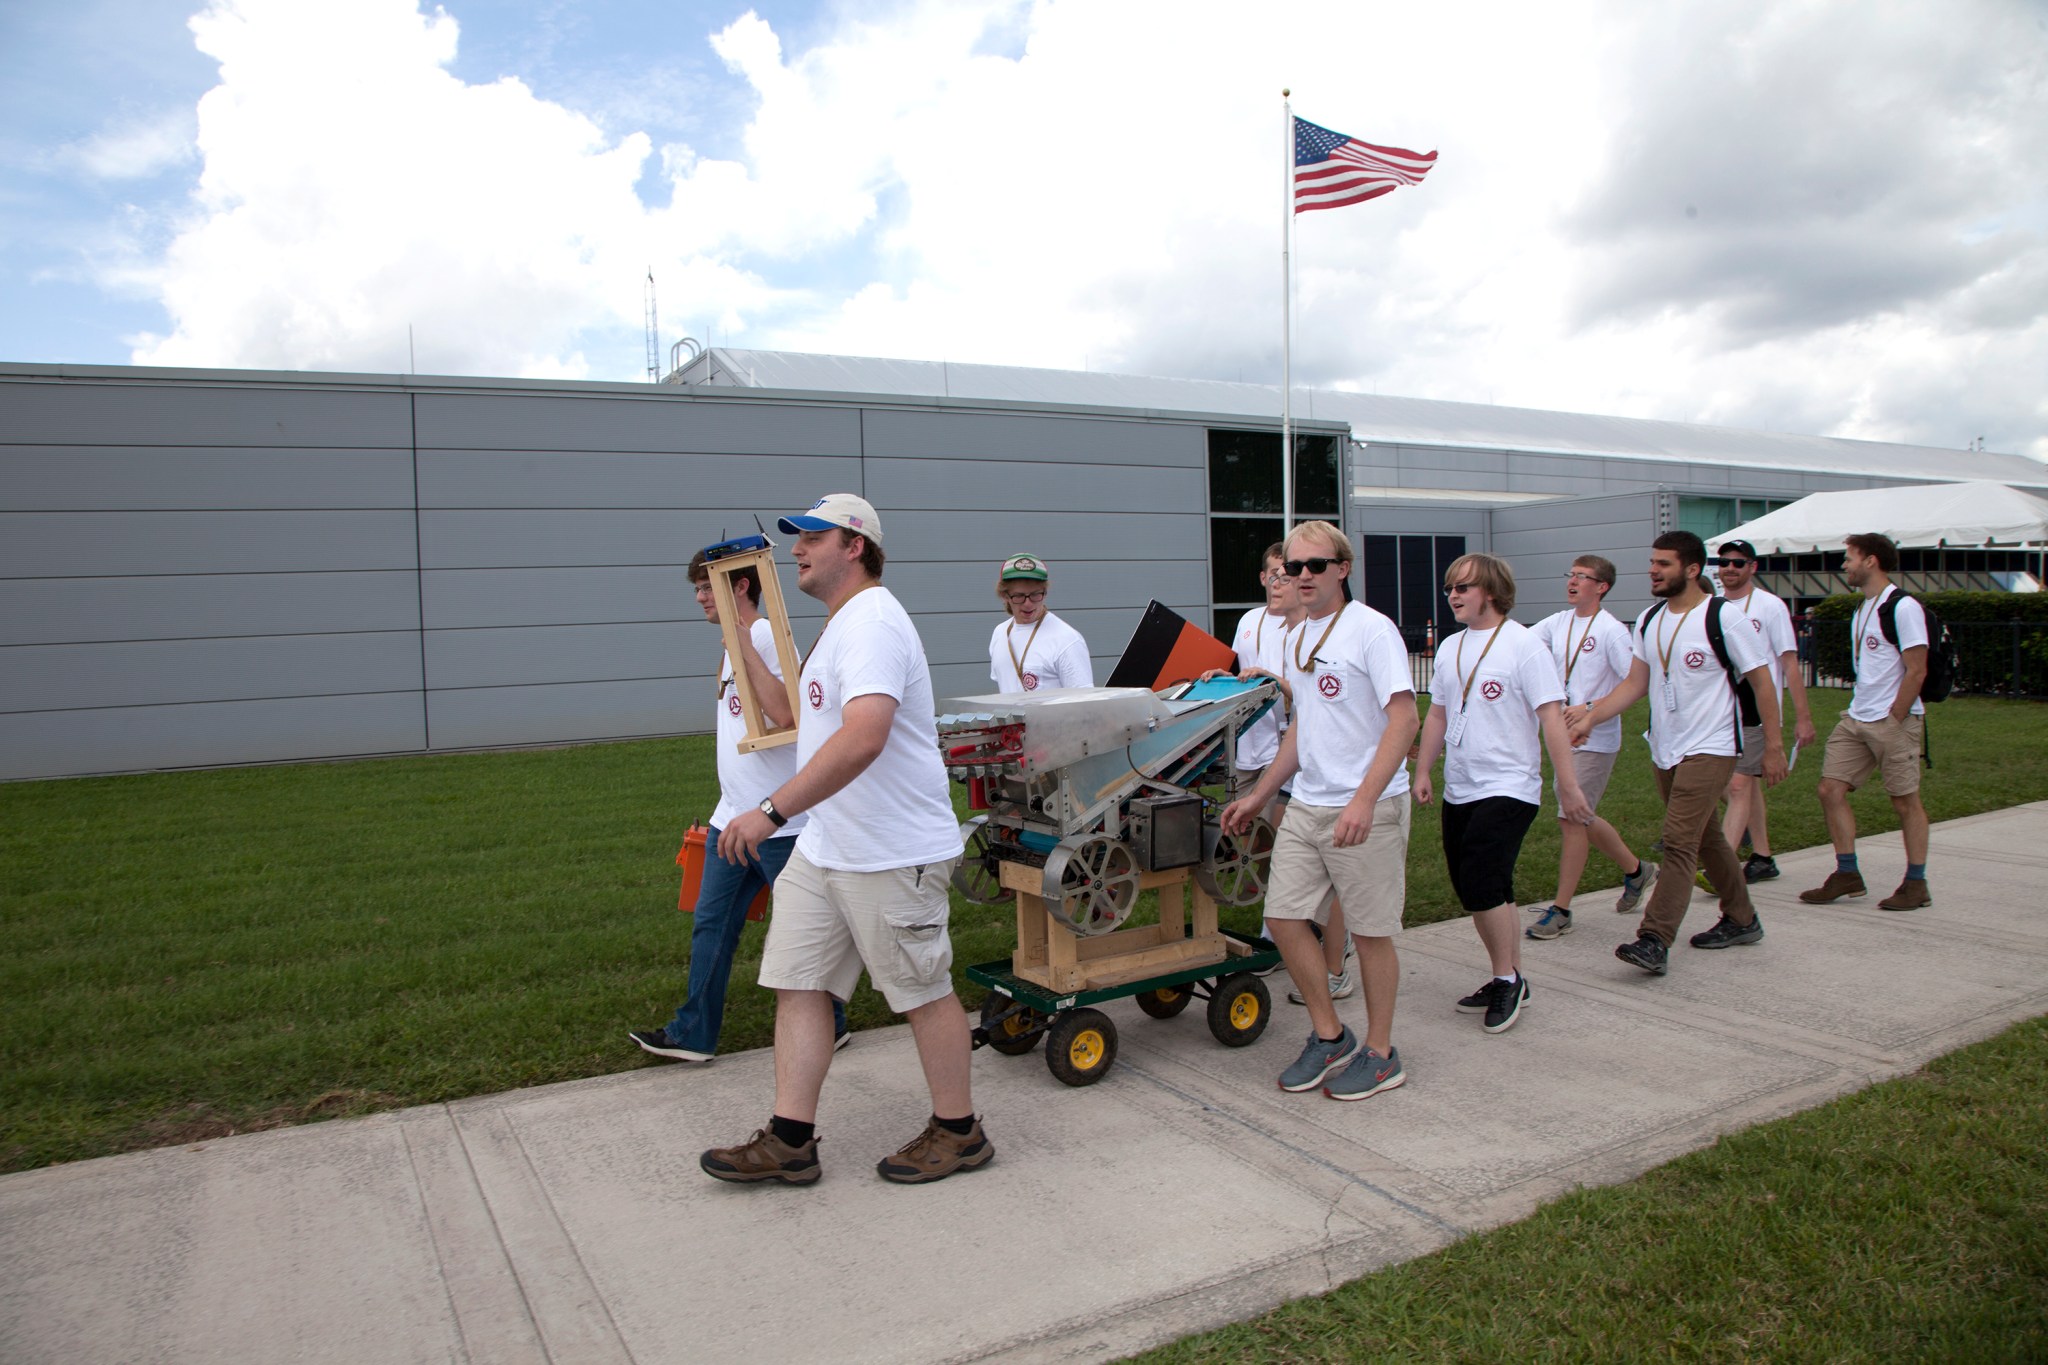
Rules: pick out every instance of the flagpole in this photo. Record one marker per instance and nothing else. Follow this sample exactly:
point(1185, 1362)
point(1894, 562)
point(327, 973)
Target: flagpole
point(1287, 324)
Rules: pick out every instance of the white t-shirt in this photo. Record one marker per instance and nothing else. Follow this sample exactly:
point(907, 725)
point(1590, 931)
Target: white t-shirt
point(1052, 652)
point(1261, 643)
point(745, 780)
point(1705, 719)
point(897, 812)
point(1499, 748)
point(1770, 620)
point(1342, 682)
point(1879, 666)
point(1593, 656)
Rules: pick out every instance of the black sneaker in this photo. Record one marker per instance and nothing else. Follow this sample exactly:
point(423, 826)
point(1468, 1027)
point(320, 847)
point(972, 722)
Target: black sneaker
point(841, 1039)
point(655, 1040)
point(1648, 952)
point(1761, 867)
point(1477, 1002)
point(1505, 1002)
point(1728, 933)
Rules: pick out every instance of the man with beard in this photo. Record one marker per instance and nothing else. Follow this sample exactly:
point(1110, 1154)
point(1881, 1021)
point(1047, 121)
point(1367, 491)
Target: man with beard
point(1883, 729)
point(1695, 735)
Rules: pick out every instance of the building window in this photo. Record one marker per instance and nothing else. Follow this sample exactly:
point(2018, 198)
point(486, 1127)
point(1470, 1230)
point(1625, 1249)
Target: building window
point(1404, 578)
point(1245, 498)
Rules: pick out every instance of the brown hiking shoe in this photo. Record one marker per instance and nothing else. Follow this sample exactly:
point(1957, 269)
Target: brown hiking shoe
point(1911, 895)
point(935, 1154)
point(763, 1157)
point(1838, 885)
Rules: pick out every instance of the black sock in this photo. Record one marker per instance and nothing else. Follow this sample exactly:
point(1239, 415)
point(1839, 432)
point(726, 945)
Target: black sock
point(789, 1132)
point(1338, 1039)
point(957, 1127)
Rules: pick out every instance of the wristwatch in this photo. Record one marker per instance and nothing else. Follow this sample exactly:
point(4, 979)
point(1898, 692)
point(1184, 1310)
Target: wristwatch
point(768, 809)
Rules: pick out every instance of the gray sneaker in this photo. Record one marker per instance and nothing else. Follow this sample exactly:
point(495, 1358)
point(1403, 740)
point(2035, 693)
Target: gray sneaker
point(1343, 986)
point(1633, 889)
point(1318, 1060)
point(1552, 923)
point(1368, 1074)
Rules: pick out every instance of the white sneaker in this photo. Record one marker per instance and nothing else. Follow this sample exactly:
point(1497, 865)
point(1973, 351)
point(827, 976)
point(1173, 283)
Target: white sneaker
point(1342, 986)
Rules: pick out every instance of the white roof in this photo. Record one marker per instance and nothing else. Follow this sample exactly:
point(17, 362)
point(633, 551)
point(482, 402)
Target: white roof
point(1371, 417)
point(1951, 514)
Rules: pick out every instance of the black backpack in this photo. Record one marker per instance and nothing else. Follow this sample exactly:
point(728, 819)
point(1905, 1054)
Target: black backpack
point(1942, 657)
point(1745, 695)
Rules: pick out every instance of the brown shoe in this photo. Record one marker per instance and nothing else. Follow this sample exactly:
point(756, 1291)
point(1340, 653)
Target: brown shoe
point(1911, 895)
point(935, 1154)
point(1838, 885)
point(763, 1157)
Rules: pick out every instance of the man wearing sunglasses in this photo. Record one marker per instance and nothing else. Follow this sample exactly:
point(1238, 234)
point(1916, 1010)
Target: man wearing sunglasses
point(1345, 837)
point(1495, 703)
point(1765, 615)
point(1034, 648)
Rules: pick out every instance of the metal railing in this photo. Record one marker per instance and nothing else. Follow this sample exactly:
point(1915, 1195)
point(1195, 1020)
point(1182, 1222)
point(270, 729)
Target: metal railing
point(1994, 658)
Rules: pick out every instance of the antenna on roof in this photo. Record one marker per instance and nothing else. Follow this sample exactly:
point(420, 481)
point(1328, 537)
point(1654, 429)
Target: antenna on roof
point(653, 333)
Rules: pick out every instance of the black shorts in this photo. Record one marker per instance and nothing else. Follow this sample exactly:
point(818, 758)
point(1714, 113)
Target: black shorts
point(1482, 839)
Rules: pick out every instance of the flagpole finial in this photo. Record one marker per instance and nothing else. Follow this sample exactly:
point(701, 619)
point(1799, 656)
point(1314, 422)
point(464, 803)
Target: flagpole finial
point(1285, 92)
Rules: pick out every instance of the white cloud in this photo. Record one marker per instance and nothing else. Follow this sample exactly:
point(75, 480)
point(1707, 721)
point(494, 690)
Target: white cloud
point(137, 147)
point(1069, 183)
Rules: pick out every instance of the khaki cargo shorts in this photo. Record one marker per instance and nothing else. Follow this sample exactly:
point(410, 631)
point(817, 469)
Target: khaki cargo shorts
point(1370, 880)
point(828, 924)
point(1889, 748)
point(1593, 771)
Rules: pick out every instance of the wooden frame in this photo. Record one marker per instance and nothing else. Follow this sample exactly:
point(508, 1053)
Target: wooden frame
point(1053, 956)
point(760, 734)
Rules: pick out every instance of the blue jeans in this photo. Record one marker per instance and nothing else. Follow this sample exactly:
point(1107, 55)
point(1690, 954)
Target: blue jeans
point(722, 900)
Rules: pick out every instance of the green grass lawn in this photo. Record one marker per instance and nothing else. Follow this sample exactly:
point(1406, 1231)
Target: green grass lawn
point(196, 953)
point(1906, 1222)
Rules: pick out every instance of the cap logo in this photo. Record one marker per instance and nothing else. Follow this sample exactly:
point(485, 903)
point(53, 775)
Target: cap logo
point(853, 522)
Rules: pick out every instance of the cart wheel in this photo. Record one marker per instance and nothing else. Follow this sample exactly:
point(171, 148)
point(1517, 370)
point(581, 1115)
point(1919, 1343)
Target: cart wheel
point(1239, 1010)
point(1165, 1002)
point(1081, 1046)
point(1016, 1035)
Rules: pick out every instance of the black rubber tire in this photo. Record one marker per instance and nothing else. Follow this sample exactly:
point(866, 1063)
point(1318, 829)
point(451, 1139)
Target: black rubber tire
point(1080, 1048)
point(1239, 1010)
point(1165, 1002)
point(1003, 1037)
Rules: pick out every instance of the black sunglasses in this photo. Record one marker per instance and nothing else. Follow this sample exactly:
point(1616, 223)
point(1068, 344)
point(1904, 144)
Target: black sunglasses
point(1734, 563)
point(1293, 567)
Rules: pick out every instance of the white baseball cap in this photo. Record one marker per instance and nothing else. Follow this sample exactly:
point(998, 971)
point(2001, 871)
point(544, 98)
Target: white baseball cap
point(848, 511)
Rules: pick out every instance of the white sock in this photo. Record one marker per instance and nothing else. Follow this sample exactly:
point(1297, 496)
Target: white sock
point(1509, 979)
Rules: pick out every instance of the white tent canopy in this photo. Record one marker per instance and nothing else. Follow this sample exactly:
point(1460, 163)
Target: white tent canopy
point(1925, 516)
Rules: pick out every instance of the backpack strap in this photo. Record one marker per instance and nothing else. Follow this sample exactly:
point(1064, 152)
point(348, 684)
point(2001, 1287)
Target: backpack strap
point(1888, 616)
point(1736, 682)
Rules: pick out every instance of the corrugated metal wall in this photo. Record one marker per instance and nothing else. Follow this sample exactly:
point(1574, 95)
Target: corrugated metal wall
point(207, 569)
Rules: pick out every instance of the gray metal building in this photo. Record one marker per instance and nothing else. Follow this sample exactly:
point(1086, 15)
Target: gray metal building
point(209, 567)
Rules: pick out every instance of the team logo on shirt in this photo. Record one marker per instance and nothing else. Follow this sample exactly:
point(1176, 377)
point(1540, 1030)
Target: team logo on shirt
point(817, 695)
point(1695, 659)
point(1030, 682)
point(732, 703)
point(1756, 622)
point(1587, 646)
point(1491, 689)
point(1330, 685)
point(1870, 642)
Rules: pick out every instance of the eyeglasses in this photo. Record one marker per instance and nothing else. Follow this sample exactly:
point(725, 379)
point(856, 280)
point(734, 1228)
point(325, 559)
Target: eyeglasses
point(1577, 576)
point(1022, 597)
point(1457, 588)
point(1293, 568)
point(1735, 563)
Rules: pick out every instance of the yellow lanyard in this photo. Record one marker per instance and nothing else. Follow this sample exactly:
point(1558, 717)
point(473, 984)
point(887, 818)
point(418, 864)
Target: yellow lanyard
point(1571, 655)
point(1300, 664)
point(1664, 650)
point(1863, 616)
point(1016, 661)
point(1466, 695)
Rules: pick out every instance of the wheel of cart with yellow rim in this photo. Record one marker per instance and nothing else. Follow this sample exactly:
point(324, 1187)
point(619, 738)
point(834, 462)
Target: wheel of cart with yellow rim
point(1165, 1001)
point(1239, 1010)
point(1081, 1046)
point(1013, 1029)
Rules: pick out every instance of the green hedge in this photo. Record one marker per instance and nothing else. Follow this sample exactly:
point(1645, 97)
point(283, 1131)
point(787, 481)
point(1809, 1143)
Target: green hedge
point(2001, 638)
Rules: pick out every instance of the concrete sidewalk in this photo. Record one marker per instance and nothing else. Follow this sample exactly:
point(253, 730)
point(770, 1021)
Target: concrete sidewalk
point(570, 1223)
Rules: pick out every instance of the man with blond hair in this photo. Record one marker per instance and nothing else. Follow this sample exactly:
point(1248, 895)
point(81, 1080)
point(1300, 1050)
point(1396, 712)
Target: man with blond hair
point(1592, 653)
point(1345, 836)
point(1492, 711)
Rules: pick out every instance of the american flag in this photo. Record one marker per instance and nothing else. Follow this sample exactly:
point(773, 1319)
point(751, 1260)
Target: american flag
point(1332, 170)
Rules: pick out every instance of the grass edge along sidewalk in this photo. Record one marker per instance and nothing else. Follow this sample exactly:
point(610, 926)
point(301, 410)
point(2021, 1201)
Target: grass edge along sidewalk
point(193, 954)
point(1907, 1221)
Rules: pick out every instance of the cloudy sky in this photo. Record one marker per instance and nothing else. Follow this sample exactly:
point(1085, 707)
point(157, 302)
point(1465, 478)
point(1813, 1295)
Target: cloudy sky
point(1800, 216)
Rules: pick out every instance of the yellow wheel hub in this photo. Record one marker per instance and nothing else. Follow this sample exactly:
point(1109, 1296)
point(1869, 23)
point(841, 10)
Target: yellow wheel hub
point(1087, 1050)
point(1244, 1011)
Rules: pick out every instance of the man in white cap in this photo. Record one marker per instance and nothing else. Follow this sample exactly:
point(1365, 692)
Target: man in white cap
point(1034, 648)
point(866, 885)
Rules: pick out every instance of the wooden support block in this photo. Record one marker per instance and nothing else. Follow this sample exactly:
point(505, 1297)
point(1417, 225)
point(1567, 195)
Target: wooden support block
point(761, 734)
